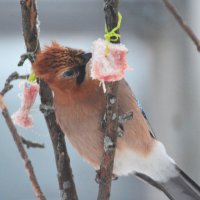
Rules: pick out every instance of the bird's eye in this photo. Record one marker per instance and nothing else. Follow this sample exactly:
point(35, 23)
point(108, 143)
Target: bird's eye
point(68, 74)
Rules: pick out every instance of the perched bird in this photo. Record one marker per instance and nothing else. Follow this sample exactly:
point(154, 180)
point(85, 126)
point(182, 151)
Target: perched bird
point(79, 105)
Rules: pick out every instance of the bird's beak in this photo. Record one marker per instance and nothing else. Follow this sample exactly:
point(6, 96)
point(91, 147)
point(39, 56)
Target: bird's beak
point(86, 57)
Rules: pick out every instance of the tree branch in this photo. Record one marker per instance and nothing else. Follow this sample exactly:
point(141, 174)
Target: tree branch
point(8, 86)
point(110, 139)
point(30, 144)
point(30, 32)
point(17, 139)
point(184, 26)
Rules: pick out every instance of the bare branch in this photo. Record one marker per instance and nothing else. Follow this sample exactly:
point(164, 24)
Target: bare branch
point(184, 26)
point(65, 177)
point(30, 144)
point(111, 117)
point(8, 86)
point(2, 104)
point(29, 168)
point(25, 56)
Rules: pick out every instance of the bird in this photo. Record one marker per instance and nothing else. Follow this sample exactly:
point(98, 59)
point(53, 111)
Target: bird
point(80, 103)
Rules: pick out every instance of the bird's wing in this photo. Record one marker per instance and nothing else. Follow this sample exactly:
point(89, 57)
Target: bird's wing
point(126, 87)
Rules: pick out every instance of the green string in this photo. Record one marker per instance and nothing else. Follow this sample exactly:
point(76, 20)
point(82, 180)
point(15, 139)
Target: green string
point(32, 77)
point(112, 36)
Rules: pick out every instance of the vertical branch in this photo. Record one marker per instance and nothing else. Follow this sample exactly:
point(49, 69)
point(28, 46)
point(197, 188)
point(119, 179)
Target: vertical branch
point(17, 139)
point(110, 139)
point(30, 33)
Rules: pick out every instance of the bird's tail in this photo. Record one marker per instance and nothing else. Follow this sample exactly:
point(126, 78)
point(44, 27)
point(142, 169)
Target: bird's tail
point(180, 187)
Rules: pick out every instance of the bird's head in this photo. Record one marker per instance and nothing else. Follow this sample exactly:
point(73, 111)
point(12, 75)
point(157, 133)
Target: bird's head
point(61, 67)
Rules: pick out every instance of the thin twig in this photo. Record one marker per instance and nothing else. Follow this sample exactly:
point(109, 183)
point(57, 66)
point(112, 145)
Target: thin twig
point(184, 26)
point(111, 117)
point(29, 168)
point(8, 86)
point(30, 33)
point(30, 144)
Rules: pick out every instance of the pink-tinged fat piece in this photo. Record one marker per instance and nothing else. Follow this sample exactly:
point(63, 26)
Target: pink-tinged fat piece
point(111, 67)
point(22, 117)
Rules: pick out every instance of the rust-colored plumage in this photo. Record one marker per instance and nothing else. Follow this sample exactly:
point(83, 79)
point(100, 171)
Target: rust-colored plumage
point(53, 60)
point(79, 105)
point(80, 108)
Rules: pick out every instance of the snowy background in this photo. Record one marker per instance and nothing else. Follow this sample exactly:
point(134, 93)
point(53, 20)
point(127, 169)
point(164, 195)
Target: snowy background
point(165, 79)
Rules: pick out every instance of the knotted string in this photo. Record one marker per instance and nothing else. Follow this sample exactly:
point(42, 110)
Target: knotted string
point(32, 77)
point(112, 36)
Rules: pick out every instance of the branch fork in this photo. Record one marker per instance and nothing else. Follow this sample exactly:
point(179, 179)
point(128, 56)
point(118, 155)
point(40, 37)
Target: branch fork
point(29, 55)
point(122, 119)
point(8, 86)
point(18, 141)
point(30, 144)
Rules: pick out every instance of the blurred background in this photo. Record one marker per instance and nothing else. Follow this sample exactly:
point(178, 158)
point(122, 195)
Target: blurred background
point(165, 79)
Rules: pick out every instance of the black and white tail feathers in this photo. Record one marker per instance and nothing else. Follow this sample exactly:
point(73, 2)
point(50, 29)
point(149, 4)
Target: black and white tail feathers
point(180, 187)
